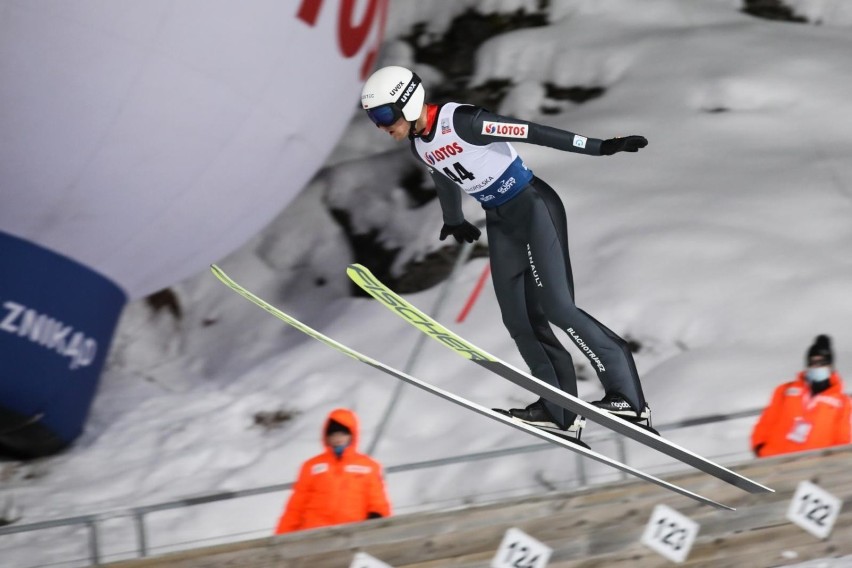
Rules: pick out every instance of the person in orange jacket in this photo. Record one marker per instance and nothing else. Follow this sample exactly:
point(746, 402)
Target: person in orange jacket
point(808, 413)
point(337, 486)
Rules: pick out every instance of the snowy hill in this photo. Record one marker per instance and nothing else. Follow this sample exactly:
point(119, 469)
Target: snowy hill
point(721, 249)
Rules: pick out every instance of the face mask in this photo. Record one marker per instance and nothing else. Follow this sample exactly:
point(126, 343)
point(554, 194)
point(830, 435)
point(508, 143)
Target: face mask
point(338, 450)
point(817, 374)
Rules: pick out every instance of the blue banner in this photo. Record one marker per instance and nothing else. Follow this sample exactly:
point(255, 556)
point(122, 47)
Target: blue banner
point(57, 318)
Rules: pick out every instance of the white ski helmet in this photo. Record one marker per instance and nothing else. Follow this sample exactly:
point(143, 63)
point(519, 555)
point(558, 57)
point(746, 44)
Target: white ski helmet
point(393, 92)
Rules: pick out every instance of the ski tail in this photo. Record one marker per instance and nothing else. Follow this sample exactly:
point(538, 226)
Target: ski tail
point(446, 395)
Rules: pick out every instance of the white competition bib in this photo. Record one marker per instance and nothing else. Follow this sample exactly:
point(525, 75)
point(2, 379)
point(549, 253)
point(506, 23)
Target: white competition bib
point(492, 174)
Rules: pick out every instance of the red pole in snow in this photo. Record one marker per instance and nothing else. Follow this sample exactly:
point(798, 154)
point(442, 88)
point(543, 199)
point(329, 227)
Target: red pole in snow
point(474, 294)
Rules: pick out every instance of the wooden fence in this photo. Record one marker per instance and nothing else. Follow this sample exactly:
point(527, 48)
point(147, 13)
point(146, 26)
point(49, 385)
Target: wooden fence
point(595, 527)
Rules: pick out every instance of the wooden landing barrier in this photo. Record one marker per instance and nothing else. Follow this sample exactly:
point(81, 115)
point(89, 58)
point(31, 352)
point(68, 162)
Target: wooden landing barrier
point(595, 527)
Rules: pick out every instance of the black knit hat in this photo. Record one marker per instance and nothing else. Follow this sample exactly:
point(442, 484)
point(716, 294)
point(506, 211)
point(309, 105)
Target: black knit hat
point(820, 348)
point(335, 426)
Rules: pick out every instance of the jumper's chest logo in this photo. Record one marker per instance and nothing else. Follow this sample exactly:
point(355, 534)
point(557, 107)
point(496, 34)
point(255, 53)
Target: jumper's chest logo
point(434, 156)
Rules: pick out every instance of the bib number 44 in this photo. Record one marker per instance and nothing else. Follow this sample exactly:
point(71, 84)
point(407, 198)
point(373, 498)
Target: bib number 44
point(460, 173)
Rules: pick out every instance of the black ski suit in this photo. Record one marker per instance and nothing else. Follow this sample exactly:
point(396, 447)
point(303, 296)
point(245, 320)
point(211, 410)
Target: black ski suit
point(528, 244)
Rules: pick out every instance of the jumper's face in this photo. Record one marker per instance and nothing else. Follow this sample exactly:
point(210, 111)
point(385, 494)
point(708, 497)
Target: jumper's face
point(398, 130)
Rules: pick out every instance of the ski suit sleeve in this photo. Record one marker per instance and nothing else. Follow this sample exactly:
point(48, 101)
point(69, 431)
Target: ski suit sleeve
point(377, 500)
point(291, 519)
point(449, 194)
point(471, 125)
point(766, 423)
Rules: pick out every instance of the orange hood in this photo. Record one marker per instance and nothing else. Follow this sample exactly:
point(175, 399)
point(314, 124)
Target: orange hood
point(348, 419)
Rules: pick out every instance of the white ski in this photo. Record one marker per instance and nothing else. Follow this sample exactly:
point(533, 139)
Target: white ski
point(373, 286)
point(220, 274)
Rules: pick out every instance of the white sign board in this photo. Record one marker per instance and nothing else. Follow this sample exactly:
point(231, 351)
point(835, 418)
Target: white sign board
point(364, 560)
point(670, 534)
point(814, 509)
point(520, 550)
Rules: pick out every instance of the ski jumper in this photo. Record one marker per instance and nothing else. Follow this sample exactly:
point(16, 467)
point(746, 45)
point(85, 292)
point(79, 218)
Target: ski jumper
point(797, 420)
point(468, 148)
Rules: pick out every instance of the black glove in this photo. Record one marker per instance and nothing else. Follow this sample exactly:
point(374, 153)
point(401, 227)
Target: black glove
point(757, 449)
point(373, 515)
point(626, 144)
point(465, 232)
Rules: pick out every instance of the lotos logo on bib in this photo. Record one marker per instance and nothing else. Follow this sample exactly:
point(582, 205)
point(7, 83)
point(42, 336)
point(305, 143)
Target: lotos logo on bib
point(505, 129)
point(434, 156)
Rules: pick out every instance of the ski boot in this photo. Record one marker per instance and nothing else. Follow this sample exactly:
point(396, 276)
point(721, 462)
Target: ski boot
point(537, 415)
point(618, 406)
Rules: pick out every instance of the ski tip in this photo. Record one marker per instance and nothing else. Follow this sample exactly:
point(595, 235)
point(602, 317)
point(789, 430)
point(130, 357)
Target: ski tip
point(222, 276)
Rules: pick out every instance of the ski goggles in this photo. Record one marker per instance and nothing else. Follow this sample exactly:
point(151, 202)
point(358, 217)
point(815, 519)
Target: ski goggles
point(384, 115)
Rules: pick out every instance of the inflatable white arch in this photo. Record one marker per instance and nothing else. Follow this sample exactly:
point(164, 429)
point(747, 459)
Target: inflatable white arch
point(142, 141)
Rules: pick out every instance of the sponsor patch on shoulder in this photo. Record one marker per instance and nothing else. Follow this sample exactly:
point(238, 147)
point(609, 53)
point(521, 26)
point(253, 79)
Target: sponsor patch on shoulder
point(505, 129)
point(355, 468)
point(319, 468)
point(580, 141)
point(445, 126)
